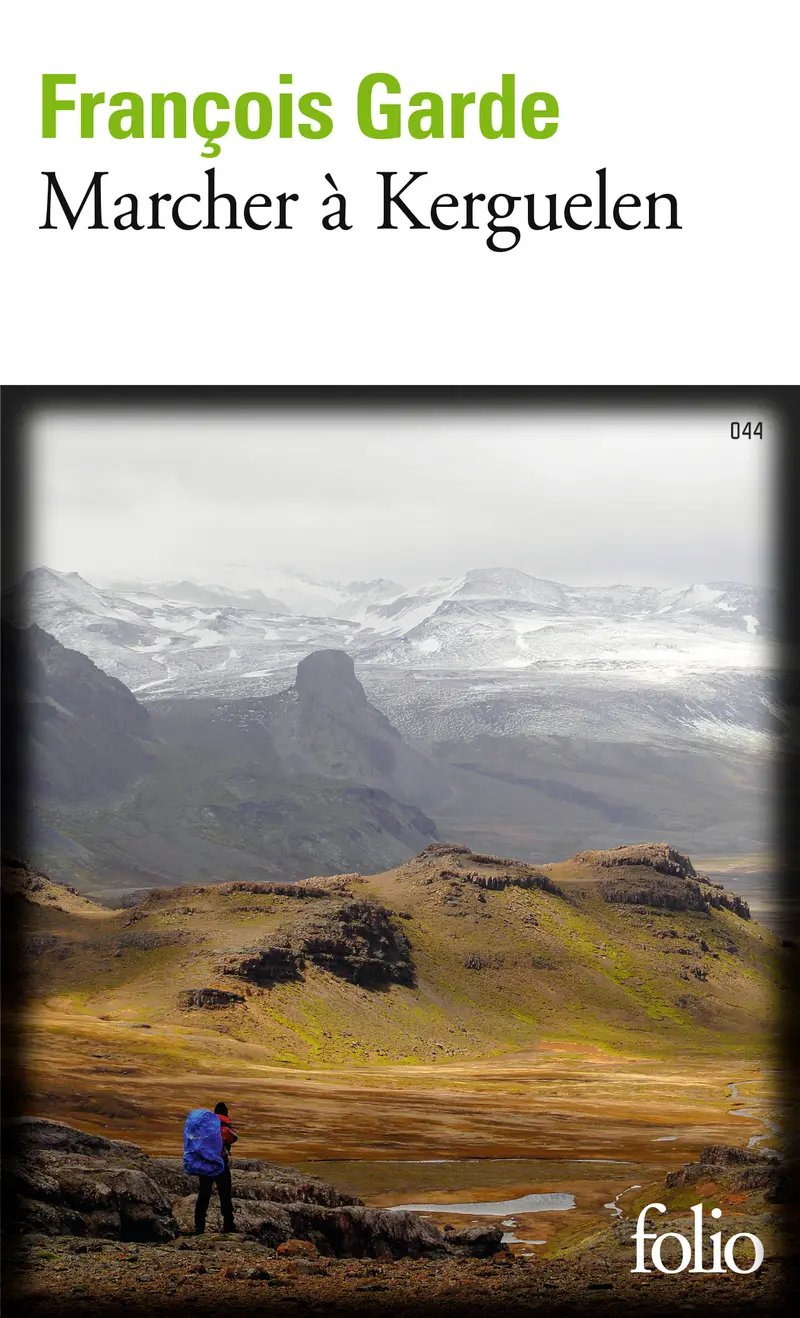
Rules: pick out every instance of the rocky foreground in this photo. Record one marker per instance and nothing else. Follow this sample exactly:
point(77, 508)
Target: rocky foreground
point(64, 1182)
point(101, 1227)
point(218, 1275)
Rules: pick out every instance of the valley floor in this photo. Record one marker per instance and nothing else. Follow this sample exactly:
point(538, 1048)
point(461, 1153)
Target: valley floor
point(560, 1119)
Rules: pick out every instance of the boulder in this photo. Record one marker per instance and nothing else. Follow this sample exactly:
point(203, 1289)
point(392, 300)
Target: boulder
point(305, 1267)
point(75, 1195)
point(32, 1216)
point(359, 1232)
point(297, 1249)
point(476, 1241)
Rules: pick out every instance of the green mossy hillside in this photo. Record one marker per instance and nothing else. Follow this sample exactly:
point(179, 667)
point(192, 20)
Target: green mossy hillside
point(453, 954)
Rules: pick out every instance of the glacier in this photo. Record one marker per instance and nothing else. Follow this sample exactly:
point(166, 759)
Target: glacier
point(493, 651)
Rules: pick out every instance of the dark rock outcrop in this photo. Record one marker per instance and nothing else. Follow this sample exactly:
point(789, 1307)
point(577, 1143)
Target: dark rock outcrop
point(729, 901)
point(667, 892)
point(477, 1241)
point(380, 1233)
point(356, 940)
point(514, 873)
point(654, 855)
point(329, 676)
point(673, 883)
point(262, 966)
point(497, 882)
point(736, 1170)
point(349, 1231)
point(62, 1181)
point(209, 998)
point(353, 938)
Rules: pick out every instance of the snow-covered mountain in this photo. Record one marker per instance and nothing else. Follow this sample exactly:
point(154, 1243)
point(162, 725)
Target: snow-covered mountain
point(203, 592)
point(719, 604)
point(160, 640)
point(471, 635)
point(276, 590)
point(495, 650)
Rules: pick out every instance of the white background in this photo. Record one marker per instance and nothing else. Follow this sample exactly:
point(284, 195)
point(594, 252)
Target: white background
point(698, 98)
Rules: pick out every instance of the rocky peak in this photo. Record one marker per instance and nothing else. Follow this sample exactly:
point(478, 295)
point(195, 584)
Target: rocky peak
point(329, 676)
point(50, 672)
point(83, 731)
point(658, 856)
point(672, 884)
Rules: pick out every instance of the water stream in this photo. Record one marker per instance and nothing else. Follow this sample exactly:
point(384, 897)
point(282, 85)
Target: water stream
point(772, 1128)
point(614, 1205)
point(508, 1209)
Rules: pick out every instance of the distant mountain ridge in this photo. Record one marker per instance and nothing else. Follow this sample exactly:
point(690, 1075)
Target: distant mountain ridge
point(196, 638)
point(151, 641)
point(284, 589)
point(86, 735)
point(322, 775)
point(312, 780)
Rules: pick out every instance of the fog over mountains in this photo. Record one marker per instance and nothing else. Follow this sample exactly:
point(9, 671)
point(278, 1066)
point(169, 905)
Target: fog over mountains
point(495, 650)
point(518, 715)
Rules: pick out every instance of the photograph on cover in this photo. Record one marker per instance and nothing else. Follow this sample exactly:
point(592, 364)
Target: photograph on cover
point(395, 891)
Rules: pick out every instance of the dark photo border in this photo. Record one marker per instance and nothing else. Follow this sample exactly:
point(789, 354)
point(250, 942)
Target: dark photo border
point(18, 403)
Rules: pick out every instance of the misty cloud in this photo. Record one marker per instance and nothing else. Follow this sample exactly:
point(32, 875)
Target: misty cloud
point(397, 492)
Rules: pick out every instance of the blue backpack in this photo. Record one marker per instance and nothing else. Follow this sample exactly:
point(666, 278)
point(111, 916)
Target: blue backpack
point(202, 1143)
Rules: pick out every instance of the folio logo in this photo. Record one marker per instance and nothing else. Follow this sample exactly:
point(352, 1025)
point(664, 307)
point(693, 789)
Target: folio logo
point(689, 1254)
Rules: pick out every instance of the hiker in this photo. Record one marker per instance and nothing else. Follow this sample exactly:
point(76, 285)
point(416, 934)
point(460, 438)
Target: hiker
point(208, 1137)
point(229, 1135)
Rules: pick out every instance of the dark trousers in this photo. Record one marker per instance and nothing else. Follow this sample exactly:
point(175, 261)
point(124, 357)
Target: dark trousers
point(223, 1183)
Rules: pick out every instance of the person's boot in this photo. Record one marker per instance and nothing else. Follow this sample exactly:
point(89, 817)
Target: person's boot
point(229, 1227)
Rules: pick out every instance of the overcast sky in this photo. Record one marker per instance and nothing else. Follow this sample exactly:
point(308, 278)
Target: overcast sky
point(410, 495)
